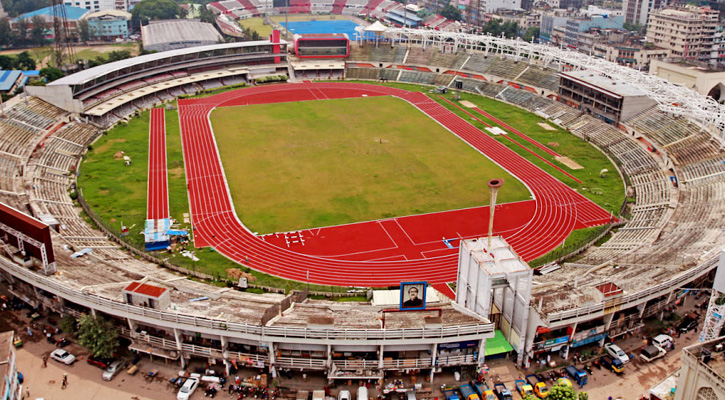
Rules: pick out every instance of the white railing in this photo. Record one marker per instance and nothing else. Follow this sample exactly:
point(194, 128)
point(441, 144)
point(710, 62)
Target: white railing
point(443, 360)
point(636, 297)
point(227, 328)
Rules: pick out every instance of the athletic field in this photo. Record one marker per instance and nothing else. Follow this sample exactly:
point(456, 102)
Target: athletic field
point(310, 164)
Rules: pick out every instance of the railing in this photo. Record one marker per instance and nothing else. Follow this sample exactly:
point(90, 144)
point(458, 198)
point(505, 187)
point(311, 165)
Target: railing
point(455, 360)
point(228, 328)
point(636, 296)
point(694, 361)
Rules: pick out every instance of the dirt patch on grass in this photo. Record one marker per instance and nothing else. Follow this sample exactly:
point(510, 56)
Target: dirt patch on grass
point(109, 143)
point(568, 162)
point(176, 173)
point(546, 126)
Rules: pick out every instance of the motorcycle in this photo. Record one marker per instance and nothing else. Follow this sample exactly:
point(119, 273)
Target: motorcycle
point(588, 369)
point(210, 392)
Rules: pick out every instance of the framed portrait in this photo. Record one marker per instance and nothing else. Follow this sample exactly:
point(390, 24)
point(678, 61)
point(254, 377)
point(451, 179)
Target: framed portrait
point(412, 295)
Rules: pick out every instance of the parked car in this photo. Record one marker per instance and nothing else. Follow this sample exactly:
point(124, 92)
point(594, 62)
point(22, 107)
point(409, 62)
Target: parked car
point(63, 356)
point(99, 362)
point(187, 389)
point(662, 341)
point(688, 323)
point(614, 351)
point(113, 369)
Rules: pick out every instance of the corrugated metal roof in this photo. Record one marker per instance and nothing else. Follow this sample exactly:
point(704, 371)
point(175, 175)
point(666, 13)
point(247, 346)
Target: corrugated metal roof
point(73, 13)
point(144, 289)
point(8, 79)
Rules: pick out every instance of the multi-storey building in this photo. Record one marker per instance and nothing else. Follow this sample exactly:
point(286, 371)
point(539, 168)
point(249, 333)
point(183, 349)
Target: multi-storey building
point(92, 5)
point(702, 376)
point(10, 388)
point(689, 32)
point(575, 27)
point(637, 11)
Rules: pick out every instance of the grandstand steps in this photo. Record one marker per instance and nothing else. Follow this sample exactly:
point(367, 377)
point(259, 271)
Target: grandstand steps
point(516, 79)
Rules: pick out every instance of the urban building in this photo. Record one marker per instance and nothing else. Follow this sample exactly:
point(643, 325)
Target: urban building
point(491, 6)
point(178, 34)
point(108, 24)
point(699, 76)
point(689, 32)
point(631, 54)
point(551, 20)
point(525, 20)
point(575, 27)
point(702, 376)
point(10, 81)
point(566, 4)
point(638, 11)
point(92, 5)
point(73, 15)
point(601, 96)
point(10, 388)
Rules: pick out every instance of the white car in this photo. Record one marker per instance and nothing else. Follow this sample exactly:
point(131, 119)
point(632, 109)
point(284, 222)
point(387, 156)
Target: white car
point(187, 389)
point(63, 356)
point(614, 351)
point(113, 369)
point(662, 341)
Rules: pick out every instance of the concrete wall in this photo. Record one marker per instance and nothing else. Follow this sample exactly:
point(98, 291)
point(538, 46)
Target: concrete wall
point(692, 77)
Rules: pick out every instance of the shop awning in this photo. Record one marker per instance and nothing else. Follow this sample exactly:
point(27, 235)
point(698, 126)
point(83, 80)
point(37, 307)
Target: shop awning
point(497, 344)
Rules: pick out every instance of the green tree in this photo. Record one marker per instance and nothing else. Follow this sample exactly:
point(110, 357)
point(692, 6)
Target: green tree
point(68, 324)
point(7, 35)
point(531, 397)
point(583, 396)
point(50, 74)
point(206, 15)
point(37, 32)
point(148, 10)
point(118, 55)
point(17, 7)
point(531, 33)
point(22, 26)
point(84, 30)
point(6, 62)
point(562, 393)
point(24, 61)
point(451, 12)
point(98, 335)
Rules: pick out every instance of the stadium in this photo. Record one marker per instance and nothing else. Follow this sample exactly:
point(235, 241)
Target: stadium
point(54, 259)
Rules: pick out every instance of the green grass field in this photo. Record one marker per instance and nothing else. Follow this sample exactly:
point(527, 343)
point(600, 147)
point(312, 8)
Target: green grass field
point(319, 163)
point(256, 24)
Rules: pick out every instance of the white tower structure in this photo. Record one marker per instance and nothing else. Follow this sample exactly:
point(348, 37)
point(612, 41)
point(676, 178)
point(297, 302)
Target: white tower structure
point(714, 318)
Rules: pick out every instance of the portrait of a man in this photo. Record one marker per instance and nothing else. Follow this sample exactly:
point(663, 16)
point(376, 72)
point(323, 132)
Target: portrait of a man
point(412, 295)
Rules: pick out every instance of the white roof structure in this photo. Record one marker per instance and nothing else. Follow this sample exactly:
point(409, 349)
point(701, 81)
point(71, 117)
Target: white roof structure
point(178, 33)
point(377, 28)
point(670, 97)
point(500, 259)
point(603, 82)
point(90, 74)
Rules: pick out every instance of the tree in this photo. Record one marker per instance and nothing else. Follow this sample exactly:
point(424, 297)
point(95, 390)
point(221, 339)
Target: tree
point(148, 10)
point(562, 393)
point(7, 36)
point(22, 25)
point(37, 32)
point(583, 396)
point(118, 55)
point(68, 324)
point(531, 33)
point(531, 397)
point(98, 335)
point(50, 74)
point(6, 62)
point(451, 12)
point(205, 15)
point(84, 30)
point(24, 61)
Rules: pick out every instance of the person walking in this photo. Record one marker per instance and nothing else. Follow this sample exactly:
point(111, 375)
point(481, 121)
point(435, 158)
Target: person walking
point(45, 361)
point(64, 384)
point(27, 392)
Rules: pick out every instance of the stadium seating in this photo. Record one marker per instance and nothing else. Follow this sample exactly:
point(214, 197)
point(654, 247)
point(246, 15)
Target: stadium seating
point(543, 78)
point(505, 68)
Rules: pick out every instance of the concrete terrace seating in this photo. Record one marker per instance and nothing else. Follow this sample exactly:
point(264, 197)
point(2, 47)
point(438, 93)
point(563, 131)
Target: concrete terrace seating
point(634, 159)
point(560, 113)
point(363, 73)
point(543, 78)
point(443, 80)
point(445, 60)
point(382, 53)
point(461, 58)
point(16, 138)
point(506, 68)
point(599, 133)
point(662, 128)
point(705, 170)
point(651, 188)
point(390, 74)
point(417, 77)
point(693, 148)
point(419, 56)
point(515, 96)
point(479, 63)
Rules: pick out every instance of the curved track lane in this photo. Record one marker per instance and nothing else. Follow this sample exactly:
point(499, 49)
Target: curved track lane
point(558, 208)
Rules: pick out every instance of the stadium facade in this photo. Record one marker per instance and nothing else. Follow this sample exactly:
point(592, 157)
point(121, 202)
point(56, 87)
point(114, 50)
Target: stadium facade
point(671, 240)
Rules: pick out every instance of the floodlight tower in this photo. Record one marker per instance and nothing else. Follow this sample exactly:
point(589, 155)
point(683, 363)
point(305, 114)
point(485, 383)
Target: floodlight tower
point(714, 318)
point(494, 185)
point(64, 57)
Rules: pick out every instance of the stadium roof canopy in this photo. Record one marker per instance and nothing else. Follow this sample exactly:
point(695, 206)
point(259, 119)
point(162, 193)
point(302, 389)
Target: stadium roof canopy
point(84, 76)
point(73, 13)
point(178, 31)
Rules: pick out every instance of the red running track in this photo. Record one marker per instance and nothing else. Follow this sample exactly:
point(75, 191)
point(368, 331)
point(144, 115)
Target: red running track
point(555, 211)
point(158, 188)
